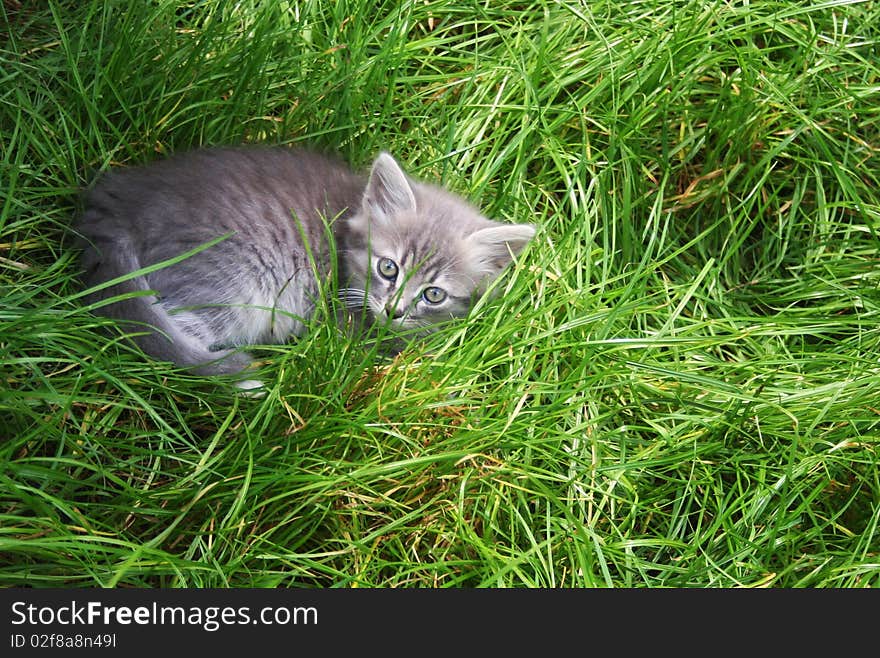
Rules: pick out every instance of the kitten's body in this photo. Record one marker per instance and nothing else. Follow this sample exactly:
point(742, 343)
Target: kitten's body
point(411, 253)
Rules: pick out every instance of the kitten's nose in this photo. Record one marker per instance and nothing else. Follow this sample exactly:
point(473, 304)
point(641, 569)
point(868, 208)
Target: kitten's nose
point(392, 312)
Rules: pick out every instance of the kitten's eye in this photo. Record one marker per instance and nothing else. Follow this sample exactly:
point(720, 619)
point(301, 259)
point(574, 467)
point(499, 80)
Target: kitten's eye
point(387, 269)
point(434, 295)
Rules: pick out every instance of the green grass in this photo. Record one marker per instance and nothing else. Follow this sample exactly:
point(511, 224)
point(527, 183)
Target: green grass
point(678, 386)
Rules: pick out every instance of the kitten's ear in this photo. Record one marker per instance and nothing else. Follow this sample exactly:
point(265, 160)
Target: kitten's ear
point(388, 190)
point(492, 249)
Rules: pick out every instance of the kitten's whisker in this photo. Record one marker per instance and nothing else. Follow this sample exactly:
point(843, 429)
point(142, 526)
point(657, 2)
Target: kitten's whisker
point(352, 295)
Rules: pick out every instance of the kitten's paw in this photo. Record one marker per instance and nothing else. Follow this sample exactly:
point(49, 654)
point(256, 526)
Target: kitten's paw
point(252, 388)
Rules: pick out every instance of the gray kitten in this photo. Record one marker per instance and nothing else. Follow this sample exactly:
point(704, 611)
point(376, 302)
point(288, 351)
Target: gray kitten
point(408, 253)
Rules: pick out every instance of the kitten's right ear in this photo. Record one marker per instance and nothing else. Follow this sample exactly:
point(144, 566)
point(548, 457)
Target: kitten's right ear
point(388, 190)
point(492, 249)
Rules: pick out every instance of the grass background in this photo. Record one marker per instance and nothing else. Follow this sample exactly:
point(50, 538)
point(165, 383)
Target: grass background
point(679, 385)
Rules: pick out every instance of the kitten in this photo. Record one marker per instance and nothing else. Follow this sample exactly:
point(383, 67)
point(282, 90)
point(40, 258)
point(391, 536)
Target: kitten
point(408, 253)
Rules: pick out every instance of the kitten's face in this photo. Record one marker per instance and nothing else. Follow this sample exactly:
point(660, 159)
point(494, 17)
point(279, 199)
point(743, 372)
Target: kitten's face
point(419, 255)
point(414, 281)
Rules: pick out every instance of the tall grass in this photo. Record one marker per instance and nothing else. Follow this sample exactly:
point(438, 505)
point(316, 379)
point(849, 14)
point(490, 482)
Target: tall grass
point(678, 385)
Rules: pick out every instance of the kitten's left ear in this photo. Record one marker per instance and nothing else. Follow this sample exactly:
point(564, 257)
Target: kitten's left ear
point(388, 190)
point(492, 249)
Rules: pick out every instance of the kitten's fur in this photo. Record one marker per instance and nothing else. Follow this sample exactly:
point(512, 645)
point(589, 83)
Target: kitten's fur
point(413, 254)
